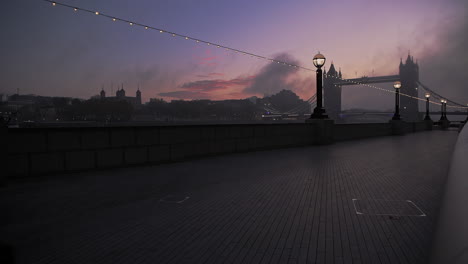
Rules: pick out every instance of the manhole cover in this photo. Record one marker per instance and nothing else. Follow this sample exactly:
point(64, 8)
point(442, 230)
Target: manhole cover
point(174, 199)
point(387, 207)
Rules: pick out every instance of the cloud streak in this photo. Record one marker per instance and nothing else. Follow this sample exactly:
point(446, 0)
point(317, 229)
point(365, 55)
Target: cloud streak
point(270, 79)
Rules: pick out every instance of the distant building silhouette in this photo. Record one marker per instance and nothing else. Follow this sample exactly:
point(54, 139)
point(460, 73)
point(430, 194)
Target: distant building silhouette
point(120, 95)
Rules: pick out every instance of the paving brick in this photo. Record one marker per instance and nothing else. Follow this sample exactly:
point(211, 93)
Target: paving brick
point(159, 153)
point(80, 160)
point(187, 150)
point(95, 138)
point(63, 140)
point(121, 137)
point(136, 155)
point(21, 141)
point(47, 162)
point(147, 136)
point(18, 165)
point(179, 134)
point(109, 158)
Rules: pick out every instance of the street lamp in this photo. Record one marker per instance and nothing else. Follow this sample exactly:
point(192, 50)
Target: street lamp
point(466, 121)
point(397, 86)
point(319, 111)
point(428, 118)
point(442, 110)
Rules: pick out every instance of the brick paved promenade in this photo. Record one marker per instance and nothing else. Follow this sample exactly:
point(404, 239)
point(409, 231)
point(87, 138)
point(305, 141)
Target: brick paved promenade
point(342, 203)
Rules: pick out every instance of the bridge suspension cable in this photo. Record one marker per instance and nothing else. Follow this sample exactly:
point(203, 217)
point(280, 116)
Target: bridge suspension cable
point(308, 104)
point(174, 34)
point(440, 96)
point(217, 45)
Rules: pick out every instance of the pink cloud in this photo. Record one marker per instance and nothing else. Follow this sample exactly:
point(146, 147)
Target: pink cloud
point(213, 85)
point(204, 89)
point(206, 59)
point(211, 74)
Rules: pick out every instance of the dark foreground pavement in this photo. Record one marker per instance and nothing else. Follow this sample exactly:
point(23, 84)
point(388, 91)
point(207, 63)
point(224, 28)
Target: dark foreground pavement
point(367, 201)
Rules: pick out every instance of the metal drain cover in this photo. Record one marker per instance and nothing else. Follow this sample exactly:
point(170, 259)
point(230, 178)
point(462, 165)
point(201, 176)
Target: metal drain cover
point(174, 199)
point(387, 207)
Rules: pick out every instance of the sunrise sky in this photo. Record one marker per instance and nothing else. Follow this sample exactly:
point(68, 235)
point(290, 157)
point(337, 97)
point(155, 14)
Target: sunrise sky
point(54, 51)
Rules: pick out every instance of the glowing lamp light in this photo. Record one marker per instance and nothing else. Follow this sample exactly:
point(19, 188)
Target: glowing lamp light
point(319, 60)
point(97, 13)
point(397, 85)
point(75, 9)
point(114, 19)
point(54, 4)
point(428, 95)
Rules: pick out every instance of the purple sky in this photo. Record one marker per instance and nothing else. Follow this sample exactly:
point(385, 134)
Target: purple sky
point(49, 50)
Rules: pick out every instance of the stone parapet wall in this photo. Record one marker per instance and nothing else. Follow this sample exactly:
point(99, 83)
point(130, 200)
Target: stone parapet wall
point(37, 151)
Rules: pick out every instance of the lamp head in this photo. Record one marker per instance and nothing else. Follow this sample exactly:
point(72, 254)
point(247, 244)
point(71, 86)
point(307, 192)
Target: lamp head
point(319, 60)
point(428, 95)
point(397, 85)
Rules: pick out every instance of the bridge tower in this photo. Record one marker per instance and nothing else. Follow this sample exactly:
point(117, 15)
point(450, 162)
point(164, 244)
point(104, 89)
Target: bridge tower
point(409, 77)
point(332, 92)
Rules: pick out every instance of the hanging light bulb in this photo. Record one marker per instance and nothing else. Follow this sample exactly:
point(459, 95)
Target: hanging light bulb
point(54, 4)
point(75, 9)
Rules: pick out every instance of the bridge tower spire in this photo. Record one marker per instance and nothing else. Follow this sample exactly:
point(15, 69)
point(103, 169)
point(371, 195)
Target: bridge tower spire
point(332, 92)
point(409, 77)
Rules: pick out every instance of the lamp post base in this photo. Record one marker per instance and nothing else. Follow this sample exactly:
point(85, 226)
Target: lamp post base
point(429, 124)
point(444, 124)
point(319, 113)
point(396, 117)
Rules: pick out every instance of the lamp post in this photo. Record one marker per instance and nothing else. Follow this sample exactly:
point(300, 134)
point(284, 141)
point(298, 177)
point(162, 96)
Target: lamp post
point(319, 111)
point(445, 110)
point(442, 110)
point(427, 117)
point(466, 121)
point(397, 86)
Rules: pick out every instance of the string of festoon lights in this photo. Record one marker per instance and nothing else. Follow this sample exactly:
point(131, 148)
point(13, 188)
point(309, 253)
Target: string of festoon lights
point(219, 46)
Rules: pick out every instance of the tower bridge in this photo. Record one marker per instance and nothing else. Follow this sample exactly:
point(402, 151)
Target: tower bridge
point(408, 76)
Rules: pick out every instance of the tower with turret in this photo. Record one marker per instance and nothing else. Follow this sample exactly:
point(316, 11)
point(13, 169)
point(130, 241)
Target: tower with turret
point(138, 97)
point(409, 77)
point(332, 92)
point(120, 93)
